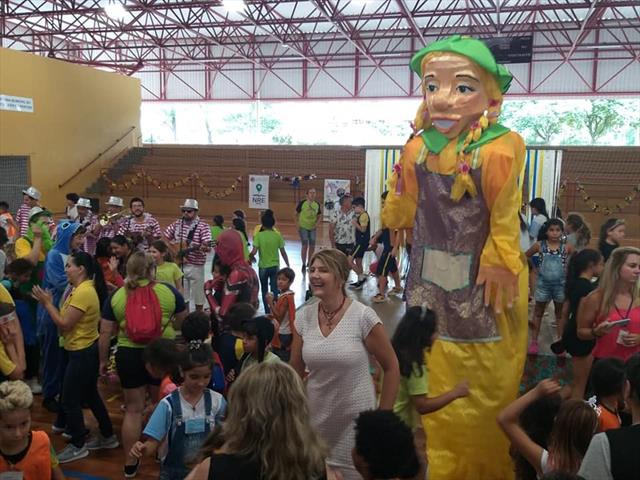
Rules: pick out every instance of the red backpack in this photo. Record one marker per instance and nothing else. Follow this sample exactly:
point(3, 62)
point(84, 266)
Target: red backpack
point(143, 314)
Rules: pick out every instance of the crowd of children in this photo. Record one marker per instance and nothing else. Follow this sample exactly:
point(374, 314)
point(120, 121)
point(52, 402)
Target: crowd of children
point(64, 313)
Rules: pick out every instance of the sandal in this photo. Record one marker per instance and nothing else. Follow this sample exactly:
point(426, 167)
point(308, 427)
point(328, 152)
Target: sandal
point(379, 298)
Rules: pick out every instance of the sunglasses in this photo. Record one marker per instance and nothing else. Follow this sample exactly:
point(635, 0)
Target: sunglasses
point(188, 211)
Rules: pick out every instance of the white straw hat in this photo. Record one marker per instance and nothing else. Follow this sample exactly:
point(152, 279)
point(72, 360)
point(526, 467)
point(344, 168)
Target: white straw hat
point(84, 202)
point(33, 192)
point(190, 204)
point(115, 202)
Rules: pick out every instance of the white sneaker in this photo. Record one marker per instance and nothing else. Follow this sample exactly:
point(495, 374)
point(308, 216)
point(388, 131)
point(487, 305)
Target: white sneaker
point(71, 453)
point(98, 442)
point(35, 387)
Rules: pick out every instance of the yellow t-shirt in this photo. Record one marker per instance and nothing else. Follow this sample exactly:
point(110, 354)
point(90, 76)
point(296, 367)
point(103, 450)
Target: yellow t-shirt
point(23, 248)
point(169, 273)
point(85, 298)
point(6, 364)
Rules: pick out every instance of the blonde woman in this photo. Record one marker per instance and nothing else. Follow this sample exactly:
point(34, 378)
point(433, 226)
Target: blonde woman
point(334, 339)
point(275, 441)
point(134, 378)
point(611, 313)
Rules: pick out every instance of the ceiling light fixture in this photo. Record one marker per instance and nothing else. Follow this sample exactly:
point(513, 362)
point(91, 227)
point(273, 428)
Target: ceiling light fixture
point(115, 10)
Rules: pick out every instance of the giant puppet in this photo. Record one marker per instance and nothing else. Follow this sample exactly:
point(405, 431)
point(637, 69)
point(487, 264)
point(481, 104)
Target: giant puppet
point(457, 189)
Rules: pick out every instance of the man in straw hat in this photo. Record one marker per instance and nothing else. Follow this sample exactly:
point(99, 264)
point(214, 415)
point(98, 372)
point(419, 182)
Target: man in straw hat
point(190, 240)
point(457, 188)
point(89, 221)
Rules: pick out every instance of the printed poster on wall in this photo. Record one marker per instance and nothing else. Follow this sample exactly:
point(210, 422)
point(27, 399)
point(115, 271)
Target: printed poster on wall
point(259, 191)
point(333, 190)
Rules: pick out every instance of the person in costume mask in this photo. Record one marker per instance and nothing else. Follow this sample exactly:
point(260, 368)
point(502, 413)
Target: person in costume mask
point(457, 189)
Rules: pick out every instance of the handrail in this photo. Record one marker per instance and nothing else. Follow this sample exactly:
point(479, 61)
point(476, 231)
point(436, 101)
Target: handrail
point(82, 169)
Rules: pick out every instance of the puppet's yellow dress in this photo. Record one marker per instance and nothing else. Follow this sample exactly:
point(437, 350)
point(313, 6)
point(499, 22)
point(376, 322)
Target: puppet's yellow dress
point(452, 242)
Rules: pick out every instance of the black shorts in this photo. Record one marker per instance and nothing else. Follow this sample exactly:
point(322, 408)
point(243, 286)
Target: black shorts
point(386, 264)
point(131, 369)
point(346, 248)
point(360, 250)
point(573, 345)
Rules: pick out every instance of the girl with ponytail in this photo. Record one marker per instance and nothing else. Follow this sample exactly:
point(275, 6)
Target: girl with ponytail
point(186, 416)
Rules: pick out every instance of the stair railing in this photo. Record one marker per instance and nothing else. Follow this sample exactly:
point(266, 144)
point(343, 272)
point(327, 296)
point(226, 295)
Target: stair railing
point(98, 157)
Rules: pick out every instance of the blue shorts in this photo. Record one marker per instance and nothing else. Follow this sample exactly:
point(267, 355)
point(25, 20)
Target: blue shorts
point(547, 292)
point(307, 237)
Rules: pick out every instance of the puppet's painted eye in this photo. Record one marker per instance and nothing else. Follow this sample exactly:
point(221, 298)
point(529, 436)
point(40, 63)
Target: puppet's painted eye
point(465, 89)
point(432, 88)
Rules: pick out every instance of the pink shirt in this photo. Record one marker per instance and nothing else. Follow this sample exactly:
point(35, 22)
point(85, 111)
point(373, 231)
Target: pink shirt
point(608, 346)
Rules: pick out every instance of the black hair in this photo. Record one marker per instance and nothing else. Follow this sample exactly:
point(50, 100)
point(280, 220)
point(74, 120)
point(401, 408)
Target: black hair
point(103, 248)
point(81, 230)
point(267, 220)
point(413, 334)
point(163, 353)
point(537, 421)
point(633, 375)
point(540, 205)
point(395, 457)
point(74, 197)
point(94, 272)
point(218, 220)
point(578, 263)
point(163, 248)
point(288, 273)
point(4, 205)
point(121, 240)
point(358, 201)
point(604, 231)
point(239, 225)
point(20, 266)
point(608, 377)
point(262, 328)
point(197, 354)
point(344, 198)
point(4, 238)
point(196, 326)
point(135, 199)
point(238, 313)
point(554, 222)
point(239, 214)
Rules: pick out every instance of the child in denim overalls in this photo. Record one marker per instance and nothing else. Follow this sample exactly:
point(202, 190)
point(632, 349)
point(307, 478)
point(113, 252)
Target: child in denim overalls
point(186, 416)
point(554, 252)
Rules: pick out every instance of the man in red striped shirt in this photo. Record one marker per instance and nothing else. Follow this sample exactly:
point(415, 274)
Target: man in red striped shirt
point(190, 238)
point(140, 227)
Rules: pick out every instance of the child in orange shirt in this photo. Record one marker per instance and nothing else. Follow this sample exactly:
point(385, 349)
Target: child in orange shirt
point(284, 312)
point(608, 380)
point(24, 453)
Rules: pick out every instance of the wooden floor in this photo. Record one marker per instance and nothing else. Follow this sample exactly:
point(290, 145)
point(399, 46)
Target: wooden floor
point(107, 464)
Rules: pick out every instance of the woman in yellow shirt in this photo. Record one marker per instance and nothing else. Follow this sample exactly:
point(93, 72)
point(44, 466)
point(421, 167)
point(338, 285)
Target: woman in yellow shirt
point(77, 322)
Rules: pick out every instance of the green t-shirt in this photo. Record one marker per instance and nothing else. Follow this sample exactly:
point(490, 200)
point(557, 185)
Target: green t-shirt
point(215, 231)
point(268, 243)
point(168, 304)
point(416, 384)
point(169, 273)
point(308, 213)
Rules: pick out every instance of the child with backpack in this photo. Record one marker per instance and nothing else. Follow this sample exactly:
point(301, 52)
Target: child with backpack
point(608, 380)
point(284, 311)
point(554, 253)
point(185, 417)
point(197, 327)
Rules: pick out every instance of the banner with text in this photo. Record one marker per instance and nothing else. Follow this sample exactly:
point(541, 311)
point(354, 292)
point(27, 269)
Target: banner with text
point(259, 191)
point(333, 190)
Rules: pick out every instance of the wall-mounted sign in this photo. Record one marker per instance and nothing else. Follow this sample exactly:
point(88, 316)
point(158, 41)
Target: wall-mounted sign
point(16, 104)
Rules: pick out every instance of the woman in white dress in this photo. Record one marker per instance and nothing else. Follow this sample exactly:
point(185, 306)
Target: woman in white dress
point(333, 340)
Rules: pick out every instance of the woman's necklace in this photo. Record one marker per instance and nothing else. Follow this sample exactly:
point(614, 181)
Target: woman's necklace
point(329, 316)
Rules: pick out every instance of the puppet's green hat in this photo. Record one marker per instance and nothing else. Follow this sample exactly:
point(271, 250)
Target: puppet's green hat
point(471, 48)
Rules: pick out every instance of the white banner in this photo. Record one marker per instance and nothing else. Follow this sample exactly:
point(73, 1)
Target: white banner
point(259, 191)
point(16, 104)
point(333, 190)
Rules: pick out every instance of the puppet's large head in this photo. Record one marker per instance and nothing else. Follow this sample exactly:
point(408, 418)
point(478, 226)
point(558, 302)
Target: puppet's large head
point(462, 86)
